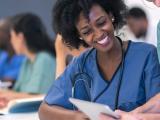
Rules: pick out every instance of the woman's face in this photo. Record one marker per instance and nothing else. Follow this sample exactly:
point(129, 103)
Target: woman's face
point(17, 42)
point(98, 31)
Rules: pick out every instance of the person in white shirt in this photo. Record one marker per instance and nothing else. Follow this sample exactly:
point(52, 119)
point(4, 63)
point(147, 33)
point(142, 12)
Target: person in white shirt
point(140, 26)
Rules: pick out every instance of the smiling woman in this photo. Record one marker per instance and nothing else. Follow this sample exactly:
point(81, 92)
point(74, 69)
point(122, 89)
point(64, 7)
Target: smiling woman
point(122, 75)
point(100, 36)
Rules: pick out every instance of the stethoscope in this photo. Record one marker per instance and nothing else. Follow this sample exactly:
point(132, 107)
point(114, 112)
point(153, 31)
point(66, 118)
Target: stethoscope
point(83, 80)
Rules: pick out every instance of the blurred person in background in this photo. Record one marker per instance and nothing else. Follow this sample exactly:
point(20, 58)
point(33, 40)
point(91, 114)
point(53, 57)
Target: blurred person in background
point(65, 54)
point(29, 38)
point(9, 62)
point(140, 27)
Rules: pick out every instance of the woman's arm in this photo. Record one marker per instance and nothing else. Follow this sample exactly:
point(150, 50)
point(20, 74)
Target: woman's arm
point(61, 54)
point(8, 95)
point(150, 116)
point(152, 106)
point(47, 112)
point(128, 116)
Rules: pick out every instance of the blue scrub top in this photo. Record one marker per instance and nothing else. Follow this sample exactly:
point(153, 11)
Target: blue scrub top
point(158, 39)
point(140, 82)
point(9, 68)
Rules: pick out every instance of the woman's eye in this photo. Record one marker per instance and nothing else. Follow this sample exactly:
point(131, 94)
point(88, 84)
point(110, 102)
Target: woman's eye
point(101, 23)
point(86, 32)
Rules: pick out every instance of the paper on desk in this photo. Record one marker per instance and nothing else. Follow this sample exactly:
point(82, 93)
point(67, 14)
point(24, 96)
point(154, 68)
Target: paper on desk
point(20, 116)
point(93, 110)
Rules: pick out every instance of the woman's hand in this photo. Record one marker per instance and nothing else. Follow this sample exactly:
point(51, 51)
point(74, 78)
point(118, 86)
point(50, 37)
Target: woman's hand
point(3, 102)
point(123, 116)
point(152, 106)
point(80, 116)
point(5, 97)
point(105, 117)
point(128, 115)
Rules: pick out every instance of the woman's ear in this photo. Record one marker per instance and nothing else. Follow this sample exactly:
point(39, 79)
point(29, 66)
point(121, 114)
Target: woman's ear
point(111, 17)
point(80, 38)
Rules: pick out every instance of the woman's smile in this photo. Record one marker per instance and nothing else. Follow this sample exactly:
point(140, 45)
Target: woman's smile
point(104, 41)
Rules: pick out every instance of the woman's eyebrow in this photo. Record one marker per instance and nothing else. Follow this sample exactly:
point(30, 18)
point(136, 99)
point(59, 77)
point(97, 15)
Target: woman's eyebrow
point(84, 27)
point(99, 18)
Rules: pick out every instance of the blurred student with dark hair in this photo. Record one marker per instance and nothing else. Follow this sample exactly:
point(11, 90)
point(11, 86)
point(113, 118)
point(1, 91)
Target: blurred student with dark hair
point(140, 26)
point(29, 38)
point(9, 62)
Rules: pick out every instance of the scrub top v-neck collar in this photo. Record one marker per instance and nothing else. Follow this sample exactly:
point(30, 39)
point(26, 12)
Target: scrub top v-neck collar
point(101, 83)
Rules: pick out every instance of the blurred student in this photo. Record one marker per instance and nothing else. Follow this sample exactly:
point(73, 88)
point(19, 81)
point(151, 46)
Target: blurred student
point(9, 62)
point(139, 24)
point(29, 38)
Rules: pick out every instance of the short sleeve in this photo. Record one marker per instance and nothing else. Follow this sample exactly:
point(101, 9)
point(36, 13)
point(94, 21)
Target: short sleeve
point(13, 67)
point(42, 74)
point(61, 89)
point(152, 74)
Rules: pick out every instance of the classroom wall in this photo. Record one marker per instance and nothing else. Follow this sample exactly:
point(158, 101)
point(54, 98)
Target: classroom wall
point(41, 7)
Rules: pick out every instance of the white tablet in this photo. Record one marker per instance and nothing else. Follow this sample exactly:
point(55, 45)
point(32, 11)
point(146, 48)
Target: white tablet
point(92, 110)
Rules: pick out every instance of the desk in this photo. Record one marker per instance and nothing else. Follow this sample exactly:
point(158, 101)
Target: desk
point(19, 116)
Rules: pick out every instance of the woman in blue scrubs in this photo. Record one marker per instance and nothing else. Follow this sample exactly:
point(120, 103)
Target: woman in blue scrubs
point(122, 75)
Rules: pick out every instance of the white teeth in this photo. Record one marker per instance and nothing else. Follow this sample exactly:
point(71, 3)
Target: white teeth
point(103, 41)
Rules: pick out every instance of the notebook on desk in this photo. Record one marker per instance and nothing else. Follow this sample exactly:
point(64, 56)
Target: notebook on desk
point(93, 110)
point(22, 105)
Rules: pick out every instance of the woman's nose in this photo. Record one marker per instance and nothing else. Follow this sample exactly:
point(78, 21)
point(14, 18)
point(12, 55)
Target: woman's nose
point(97, 33)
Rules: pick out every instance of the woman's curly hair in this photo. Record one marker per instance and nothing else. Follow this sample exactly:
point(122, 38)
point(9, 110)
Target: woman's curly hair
point(66, 13)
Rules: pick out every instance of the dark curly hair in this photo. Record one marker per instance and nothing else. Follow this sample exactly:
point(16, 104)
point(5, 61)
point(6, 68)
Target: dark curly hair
point(66, 13)
point(34, 32)
point(136, 13)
